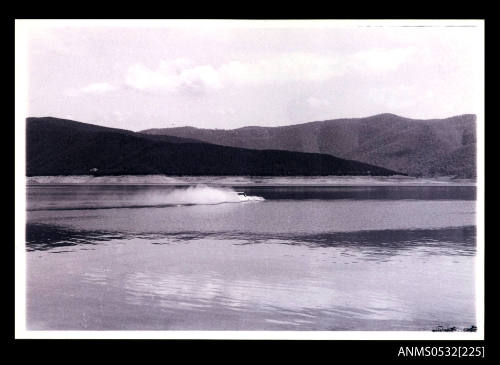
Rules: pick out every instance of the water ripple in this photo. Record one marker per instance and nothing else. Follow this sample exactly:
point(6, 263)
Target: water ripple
point(451, 240)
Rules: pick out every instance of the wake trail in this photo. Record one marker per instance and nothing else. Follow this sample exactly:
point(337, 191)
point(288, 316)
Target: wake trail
point(194, 195)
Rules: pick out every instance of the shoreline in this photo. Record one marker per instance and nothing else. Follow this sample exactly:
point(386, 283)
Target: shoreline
point(246, 181)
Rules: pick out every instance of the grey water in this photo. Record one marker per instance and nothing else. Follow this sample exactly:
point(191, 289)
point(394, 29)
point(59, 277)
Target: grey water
point(330, 258)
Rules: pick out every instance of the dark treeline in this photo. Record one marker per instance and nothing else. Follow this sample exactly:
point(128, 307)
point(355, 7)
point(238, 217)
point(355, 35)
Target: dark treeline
point(64, 147)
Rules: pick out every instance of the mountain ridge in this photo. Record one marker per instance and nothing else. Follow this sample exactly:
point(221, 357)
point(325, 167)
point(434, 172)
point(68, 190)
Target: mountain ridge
point(65, 147)
point(387, 115)
point(418, 147)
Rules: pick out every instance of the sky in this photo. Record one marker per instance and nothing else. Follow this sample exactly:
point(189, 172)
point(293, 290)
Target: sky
point(229, 74)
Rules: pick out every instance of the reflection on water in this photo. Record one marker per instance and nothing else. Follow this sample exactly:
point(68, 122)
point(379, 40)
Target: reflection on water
point(46, 237)
point(448, 240)
point(307, 259)
point(307, 301)
point(132, 196)
point(365, 192)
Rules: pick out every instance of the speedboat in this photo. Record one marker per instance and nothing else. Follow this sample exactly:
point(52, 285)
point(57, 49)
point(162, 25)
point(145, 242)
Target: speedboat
point(245, 198)
point(242, 195)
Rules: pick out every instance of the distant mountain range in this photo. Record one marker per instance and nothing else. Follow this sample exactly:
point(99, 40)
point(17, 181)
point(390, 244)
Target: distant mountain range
point(65, 147)
point(436, 147)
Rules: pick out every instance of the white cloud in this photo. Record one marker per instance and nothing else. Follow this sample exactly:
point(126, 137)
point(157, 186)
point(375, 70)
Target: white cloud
point(317, 102)
point(183, 74)
point(282, 68)
point(312, 67)
point(140, 77)
point(199, 78)
point(178, 75)
point(98, 88)
point(380, 60)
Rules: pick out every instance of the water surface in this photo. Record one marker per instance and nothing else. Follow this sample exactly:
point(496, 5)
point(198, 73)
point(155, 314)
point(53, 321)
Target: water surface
point(138, 257)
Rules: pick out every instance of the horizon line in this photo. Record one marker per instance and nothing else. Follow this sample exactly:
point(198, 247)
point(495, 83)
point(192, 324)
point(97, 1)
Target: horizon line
point(258, 126)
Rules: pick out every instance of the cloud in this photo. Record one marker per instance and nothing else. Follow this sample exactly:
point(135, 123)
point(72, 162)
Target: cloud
point(313, 67)
point(179, 75)
point(282, 68)
point(94, 88)
point(317, 102)
point(98, 88)
point(184, 75)
point(380, 60)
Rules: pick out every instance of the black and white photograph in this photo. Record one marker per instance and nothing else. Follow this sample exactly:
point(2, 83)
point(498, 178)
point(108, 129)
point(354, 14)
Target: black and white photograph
point(249, 179)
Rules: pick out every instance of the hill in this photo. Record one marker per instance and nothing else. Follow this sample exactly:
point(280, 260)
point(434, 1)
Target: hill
point(64, 147)
point(435, 147)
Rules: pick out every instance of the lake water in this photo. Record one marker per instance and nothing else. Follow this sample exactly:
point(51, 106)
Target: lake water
point(164, 257)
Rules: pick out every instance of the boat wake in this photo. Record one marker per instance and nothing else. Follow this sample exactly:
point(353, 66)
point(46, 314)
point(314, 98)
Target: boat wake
point(202, 194)
point(193, 195)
